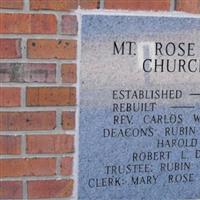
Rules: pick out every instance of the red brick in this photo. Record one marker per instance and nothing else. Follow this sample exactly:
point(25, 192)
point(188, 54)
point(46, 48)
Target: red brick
point(66, 166)
point(38, 144)
point(49, 49)
point(51, 96)
point(11, 190)
point(11, 4)
point(90, 4)
point(10, 145)
point(69, 25)
point(32, 23)
point(68, 120)
point(27, 121)
point(68, 72)
point(27, 167)
point(192, 6)
point(50, 189)
point(138, 4)
point(10, 97)
point(27, 73)
point(63, 5)
point(10, 48)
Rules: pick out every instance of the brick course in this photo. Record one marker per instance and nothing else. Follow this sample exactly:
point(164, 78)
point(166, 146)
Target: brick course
point(138, 4)
point(28, 23)
point(27, 167)
point(14, 4)
point(66, 166)
point(50, 189)
point(54, 96)
point(49, 49)
point(68, 120)
point(58, 5)
point(89, 4)
point(11, 190)
point(10, 97)
point(10, 145)
point(68, 72)
point(10, 48)
point(69, 24)
point(192, 6)
point(41, 144)
point(27, 121)
point(27, 73)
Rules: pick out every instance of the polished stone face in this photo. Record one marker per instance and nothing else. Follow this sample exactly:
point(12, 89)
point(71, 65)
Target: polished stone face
point(139, 119)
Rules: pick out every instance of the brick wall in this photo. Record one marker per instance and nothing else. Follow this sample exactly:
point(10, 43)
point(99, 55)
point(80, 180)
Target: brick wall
point(38, 51)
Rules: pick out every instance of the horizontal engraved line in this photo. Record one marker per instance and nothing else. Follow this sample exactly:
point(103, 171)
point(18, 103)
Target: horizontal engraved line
point(195, 94)
point(186, 107)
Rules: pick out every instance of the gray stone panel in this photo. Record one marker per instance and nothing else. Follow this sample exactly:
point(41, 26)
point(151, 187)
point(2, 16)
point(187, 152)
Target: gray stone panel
point(139, 133)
